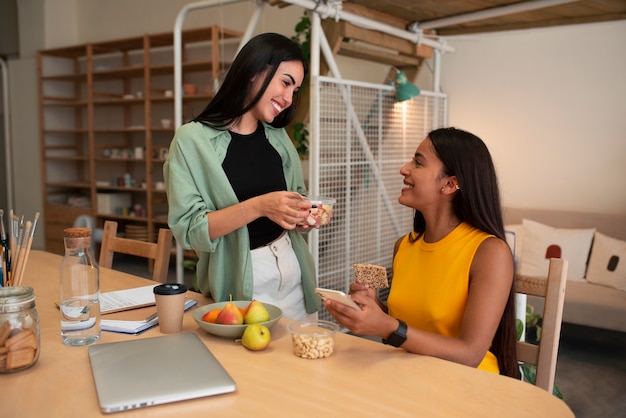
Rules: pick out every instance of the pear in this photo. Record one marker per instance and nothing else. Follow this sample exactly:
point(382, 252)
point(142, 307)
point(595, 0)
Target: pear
point(211, 316)
point(256, 337)
point(255, 313)
point(230, 315)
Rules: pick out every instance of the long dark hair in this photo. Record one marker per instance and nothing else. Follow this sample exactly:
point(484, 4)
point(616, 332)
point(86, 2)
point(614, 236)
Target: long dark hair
point(261, 56)
point(466, 156)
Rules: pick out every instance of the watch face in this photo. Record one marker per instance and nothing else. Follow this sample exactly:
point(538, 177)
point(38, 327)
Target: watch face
point(398, 337)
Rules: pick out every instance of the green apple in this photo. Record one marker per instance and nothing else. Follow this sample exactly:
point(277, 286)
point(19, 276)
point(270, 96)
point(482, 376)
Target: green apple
point(255, 313)
point(256, 337)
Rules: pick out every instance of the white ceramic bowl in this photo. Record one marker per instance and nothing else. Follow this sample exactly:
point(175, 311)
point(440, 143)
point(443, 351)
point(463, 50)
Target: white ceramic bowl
point(233, 331)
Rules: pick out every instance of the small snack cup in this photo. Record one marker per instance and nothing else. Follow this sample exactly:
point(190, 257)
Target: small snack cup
point(313, 339)
point(322, 211)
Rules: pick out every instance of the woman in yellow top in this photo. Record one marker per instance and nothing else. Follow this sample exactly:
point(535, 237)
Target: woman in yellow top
point(452, 290)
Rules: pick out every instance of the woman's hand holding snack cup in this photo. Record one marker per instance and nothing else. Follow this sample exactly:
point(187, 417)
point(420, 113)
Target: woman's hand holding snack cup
point(321, 211)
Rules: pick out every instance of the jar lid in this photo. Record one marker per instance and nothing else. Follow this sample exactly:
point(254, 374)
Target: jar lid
point(77, 232)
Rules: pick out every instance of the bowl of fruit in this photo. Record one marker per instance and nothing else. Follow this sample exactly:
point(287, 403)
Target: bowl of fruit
point(230, 319)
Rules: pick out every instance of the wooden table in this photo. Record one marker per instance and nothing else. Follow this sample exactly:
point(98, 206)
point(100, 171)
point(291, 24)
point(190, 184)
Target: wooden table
point(362, 378)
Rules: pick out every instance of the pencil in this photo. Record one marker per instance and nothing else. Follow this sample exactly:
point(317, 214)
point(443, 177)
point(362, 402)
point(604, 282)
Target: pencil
point(29, 244)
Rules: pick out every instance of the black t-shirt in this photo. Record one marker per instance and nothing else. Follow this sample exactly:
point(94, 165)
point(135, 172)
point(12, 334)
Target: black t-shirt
point(253, 168)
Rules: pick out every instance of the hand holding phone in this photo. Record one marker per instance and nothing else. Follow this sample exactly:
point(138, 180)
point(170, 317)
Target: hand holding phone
point(338, 296)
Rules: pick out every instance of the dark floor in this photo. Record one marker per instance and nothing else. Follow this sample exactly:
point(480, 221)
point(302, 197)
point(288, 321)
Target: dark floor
point(591, 369)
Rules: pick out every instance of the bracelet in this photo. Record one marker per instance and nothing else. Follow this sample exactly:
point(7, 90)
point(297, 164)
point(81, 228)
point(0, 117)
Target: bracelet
point(243, 212)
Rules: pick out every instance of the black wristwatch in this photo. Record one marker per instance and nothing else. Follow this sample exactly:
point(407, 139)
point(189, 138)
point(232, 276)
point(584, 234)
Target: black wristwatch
point(398, 337)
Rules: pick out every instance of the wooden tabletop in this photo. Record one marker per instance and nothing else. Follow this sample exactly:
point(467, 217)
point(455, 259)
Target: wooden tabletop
point(361, 378)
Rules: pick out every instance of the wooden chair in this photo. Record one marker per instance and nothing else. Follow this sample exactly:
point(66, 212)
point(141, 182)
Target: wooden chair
point(552, 288)
point(159, 251)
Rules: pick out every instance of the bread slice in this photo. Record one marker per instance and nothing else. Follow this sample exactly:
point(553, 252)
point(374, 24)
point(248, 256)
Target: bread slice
point(375, 276)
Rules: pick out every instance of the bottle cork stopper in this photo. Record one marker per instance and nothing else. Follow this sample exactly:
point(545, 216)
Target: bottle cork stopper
point(77, 232)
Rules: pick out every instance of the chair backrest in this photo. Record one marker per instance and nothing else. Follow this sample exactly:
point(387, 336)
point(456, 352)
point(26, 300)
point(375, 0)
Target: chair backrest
point(552, 288)
point(158, 251)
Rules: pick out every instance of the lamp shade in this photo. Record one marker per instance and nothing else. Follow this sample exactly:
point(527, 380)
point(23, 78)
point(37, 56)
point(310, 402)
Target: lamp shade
point(404, 89)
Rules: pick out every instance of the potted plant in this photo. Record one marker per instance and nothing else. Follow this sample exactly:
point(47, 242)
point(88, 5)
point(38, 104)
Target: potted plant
point(298, 131)
point(533, 336)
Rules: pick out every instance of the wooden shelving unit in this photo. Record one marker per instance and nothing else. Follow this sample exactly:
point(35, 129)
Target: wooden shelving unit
point(102, 140)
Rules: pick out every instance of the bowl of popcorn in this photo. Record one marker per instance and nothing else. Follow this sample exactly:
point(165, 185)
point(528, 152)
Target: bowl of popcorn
point(313, 339)
point(321, 212)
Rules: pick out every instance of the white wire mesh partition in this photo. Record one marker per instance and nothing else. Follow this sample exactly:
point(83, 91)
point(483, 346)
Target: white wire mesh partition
point(364, 139)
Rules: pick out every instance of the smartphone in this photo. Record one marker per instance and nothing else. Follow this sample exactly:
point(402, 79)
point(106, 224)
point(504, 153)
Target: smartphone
point(338, 296)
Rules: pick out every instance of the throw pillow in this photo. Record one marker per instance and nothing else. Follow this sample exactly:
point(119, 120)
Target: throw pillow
point(542, 242)
point(607, 265)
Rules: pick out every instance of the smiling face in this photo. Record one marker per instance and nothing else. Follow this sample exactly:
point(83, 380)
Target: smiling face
point(279, 93)
point(423, 178)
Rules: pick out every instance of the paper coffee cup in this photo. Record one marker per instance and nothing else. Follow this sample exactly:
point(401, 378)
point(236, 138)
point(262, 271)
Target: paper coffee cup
point(170, 304)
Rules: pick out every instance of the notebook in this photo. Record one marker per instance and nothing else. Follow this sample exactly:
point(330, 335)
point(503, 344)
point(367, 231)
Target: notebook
point(150, 371)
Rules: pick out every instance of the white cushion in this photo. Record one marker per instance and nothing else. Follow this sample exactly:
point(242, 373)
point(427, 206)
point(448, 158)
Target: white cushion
point(607, 265)
point(542, 242)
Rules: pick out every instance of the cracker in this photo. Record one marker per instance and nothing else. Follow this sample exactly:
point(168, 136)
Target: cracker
point(375, 276)
point(20, 358)
point(23, 339)
point(5, 331)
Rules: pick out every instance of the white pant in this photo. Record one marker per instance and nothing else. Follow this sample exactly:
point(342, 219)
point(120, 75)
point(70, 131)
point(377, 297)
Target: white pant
point(278, 278)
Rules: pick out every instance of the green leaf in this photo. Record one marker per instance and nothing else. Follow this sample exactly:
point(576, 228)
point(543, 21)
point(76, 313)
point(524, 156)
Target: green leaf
point(529, 372)
point(519, 327)
point(189, 265)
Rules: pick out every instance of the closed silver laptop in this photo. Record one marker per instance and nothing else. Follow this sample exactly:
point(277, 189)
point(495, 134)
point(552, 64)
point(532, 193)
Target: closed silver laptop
point(150, 371)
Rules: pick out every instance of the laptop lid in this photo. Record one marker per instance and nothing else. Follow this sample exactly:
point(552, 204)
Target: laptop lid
point(150, 371)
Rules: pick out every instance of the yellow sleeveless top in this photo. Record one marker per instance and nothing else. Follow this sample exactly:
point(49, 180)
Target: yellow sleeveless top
point(431, 282)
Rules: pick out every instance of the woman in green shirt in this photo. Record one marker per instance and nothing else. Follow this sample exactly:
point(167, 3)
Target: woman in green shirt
point(235, 186)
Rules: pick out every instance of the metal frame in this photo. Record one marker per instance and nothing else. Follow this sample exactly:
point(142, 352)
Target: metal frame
point(329, 9)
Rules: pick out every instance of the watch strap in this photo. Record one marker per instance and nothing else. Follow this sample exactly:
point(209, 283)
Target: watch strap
point(398, 337)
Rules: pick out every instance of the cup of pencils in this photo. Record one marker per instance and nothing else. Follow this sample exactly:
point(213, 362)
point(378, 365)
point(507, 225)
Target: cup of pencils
point(16, 240)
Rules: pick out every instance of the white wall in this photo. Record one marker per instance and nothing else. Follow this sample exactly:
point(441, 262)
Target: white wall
point(97, 20)
point(550, 104)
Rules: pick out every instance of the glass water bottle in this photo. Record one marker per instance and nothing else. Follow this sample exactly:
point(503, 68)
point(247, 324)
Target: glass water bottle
point(80, 290)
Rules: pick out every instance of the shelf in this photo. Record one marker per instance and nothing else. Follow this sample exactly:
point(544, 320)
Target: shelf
point(66, 77)
point(137, 71)
point(121, 189)
point(120, 160)
point(66, 158)
point(66, 131)
point(119, 130)
point(63, 102)
point(121, 217)
point(69, 185)
point(88, 103)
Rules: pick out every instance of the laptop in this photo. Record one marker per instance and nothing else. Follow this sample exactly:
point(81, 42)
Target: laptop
point(151, 371)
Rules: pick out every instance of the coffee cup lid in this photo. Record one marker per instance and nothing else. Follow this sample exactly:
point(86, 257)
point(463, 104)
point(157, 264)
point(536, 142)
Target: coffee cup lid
point(170, 289)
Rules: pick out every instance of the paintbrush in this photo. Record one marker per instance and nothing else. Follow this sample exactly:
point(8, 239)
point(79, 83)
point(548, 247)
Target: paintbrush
point(3, 249)
point(29, 244)
point(21, 253)
point(12, 241)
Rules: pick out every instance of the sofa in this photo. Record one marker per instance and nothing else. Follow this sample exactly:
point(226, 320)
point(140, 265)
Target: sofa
point(594, 245)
